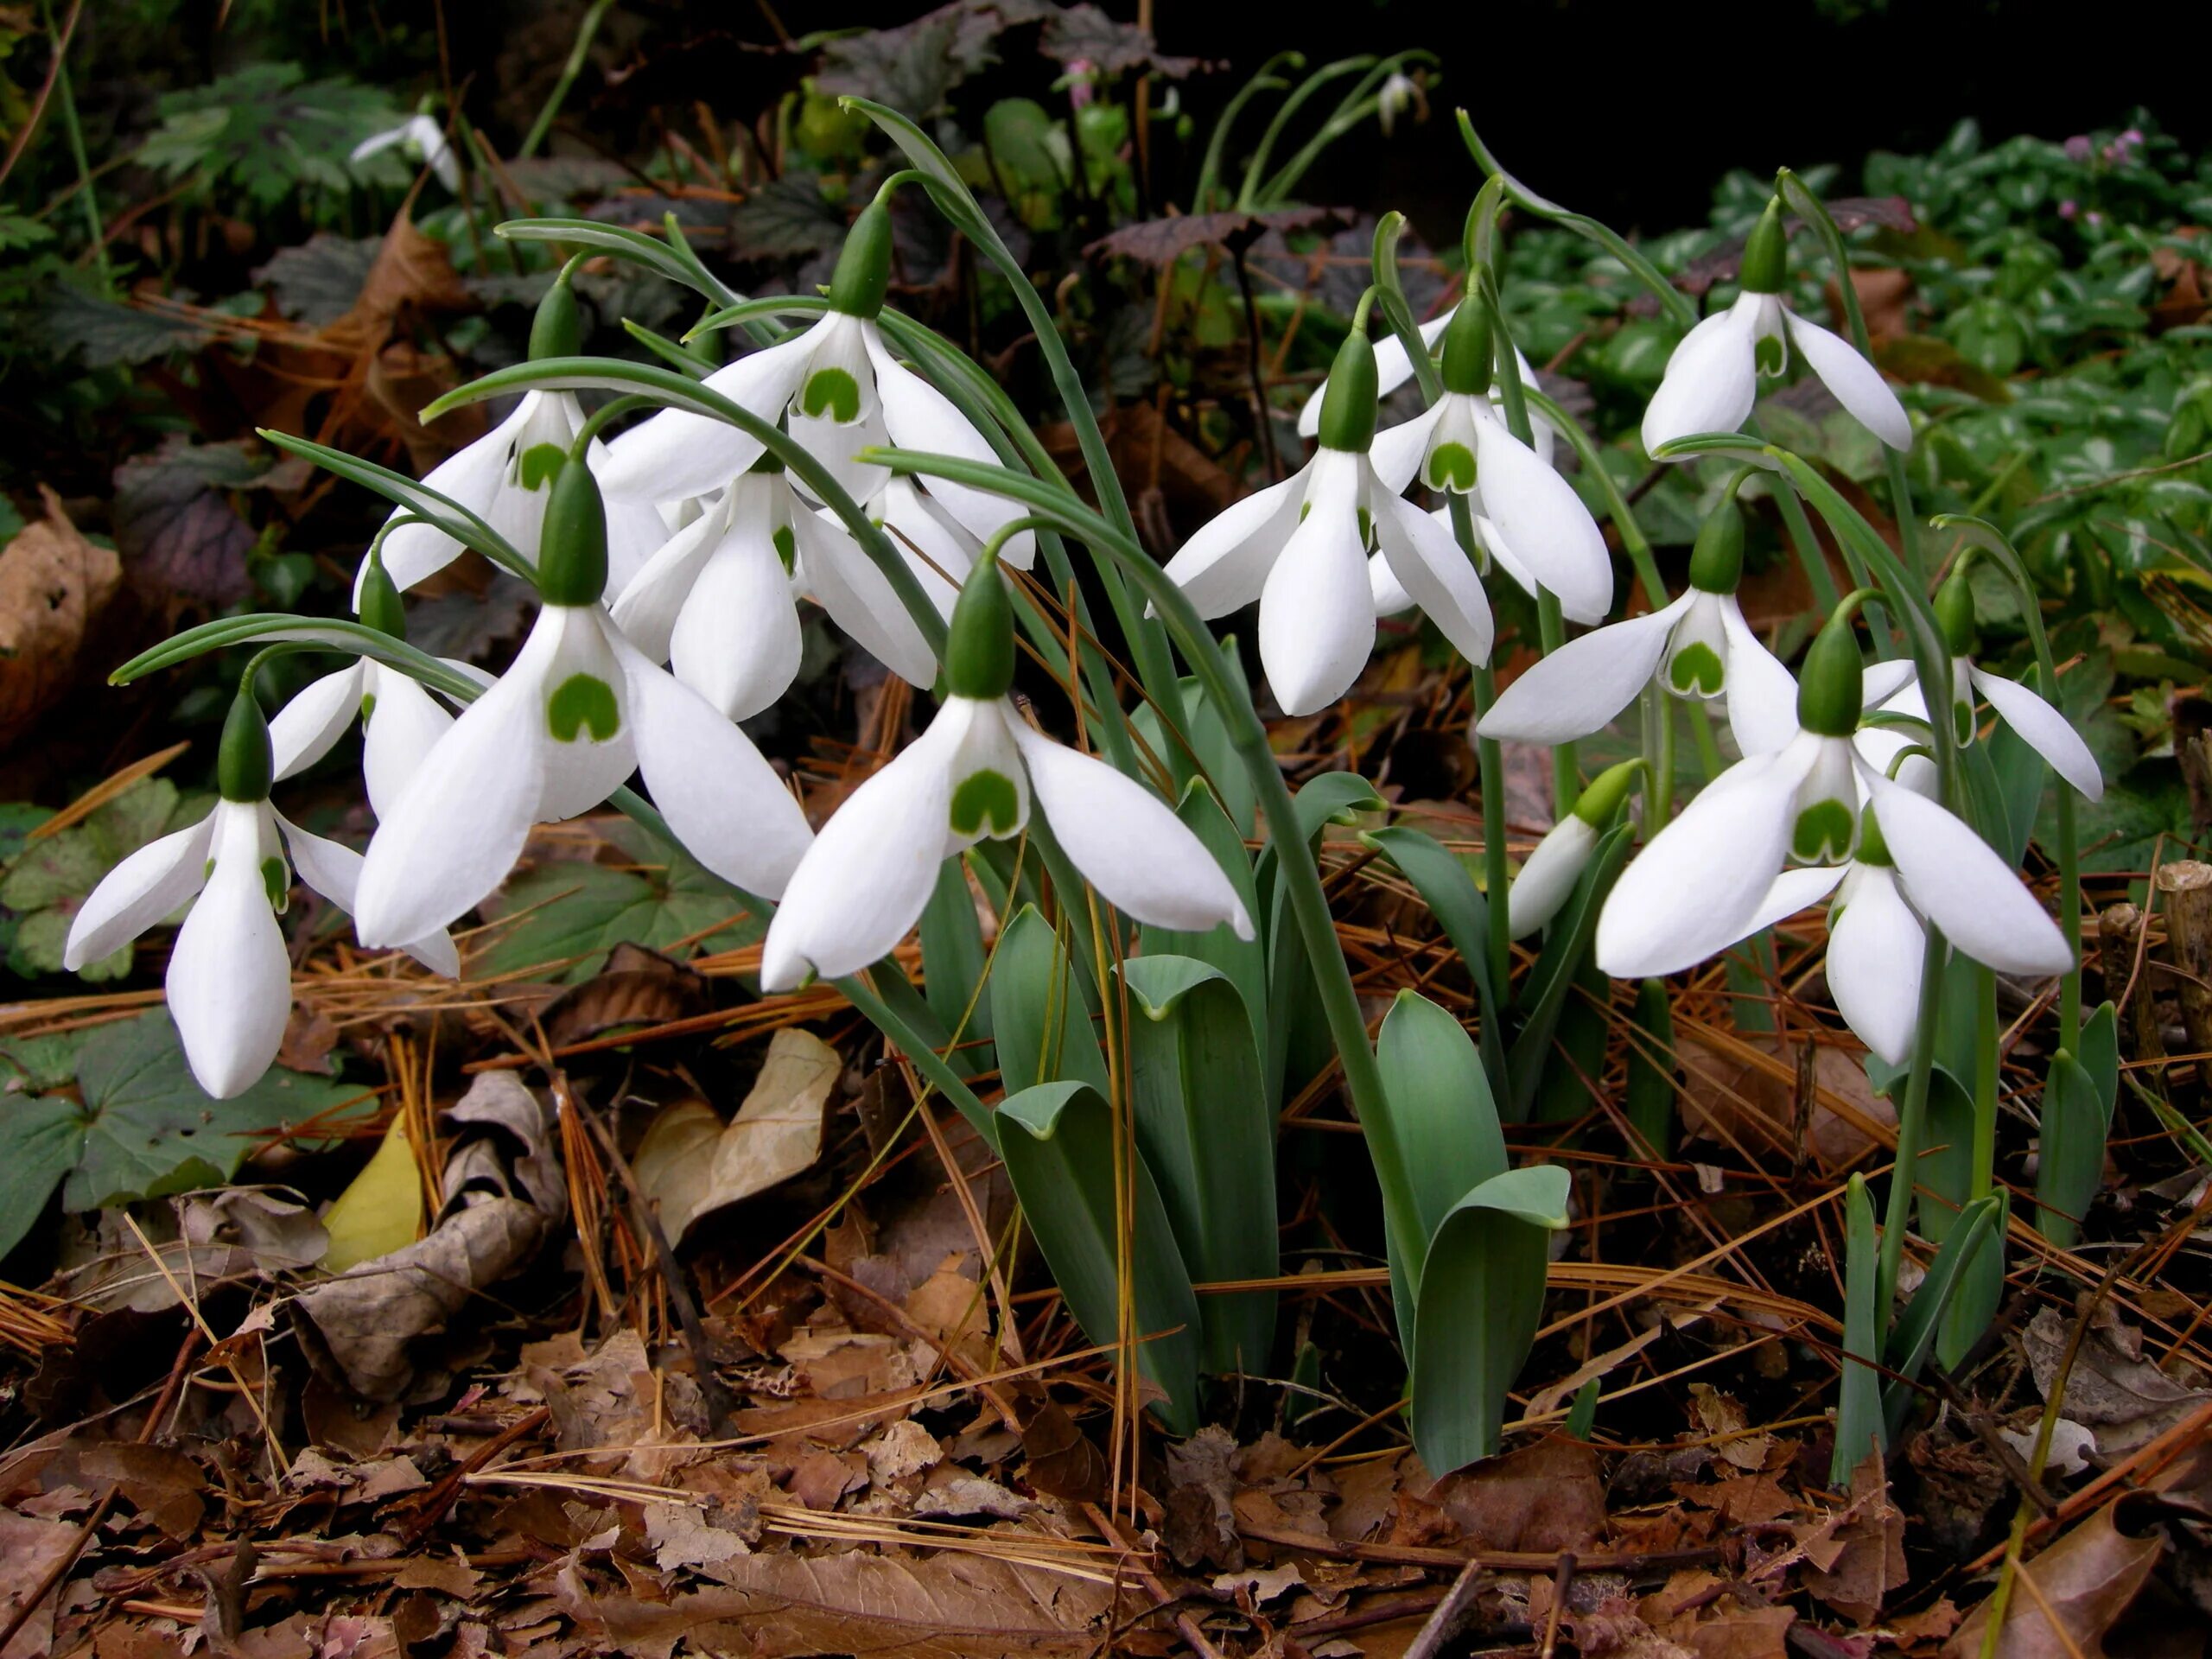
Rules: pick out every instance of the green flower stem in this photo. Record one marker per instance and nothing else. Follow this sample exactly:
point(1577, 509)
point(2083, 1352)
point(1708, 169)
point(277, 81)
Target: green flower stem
point(1912, 1122)
point(1363, 101)
point(1266, 80)
point(577, 52)
point(1658, 731)
point(1983, 1175)
point(73, 130)
point(1815, 212)
point(1807, 545)
point(1707, 746)
point(1247, 198)
point(1300, 875)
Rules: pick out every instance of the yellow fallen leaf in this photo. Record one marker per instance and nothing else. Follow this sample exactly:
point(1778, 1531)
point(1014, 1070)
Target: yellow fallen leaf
point(382, 1211)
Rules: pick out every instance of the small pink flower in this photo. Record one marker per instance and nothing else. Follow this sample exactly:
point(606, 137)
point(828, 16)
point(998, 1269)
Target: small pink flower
point(2067, 208)
point(1080, 90)
point(2078, 147)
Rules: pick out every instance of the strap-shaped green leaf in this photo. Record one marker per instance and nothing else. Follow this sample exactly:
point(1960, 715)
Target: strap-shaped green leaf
point(1058, 1140)
point(1859, 1400)
point(1208, 1134)
point(952, 968)
point(1044, 1020)
point(435, 508)
point(1913, 1337)
point(2071, 1157)
point(1651, 1066)
point(1551, 982)
point(1243, 962)
point(1448, 889)
point(1482, 1295)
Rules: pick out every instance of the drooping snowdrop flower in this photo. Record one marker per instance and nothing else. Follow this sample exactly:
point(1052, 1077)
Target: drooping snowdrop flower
point(1301, 548)
point(2038, 725)
point(1401, 94)
point(843, 390)
point(1393, 368)
point(1548, 875)
point(579, 710)
point(423, 140)
point(1529, 518)
point(1698, 646)
point(400, 721)
point(1711, 379)
point(503, 477)
point(1716, 874)
point(976, 773)
point(230, 976)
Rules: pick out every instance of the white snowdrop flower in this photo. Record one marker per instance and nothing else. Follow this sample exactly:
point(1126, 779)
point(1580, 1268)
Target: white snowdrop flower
point(975, 773)
point(1300, 548)
point(1549, 873)
point(1711, 379)
point(424, 141)
point(1700, 645)
point(1711, 877)
point(843, 390)
point(579, 710)
point(1393, 368)
point(230, 976)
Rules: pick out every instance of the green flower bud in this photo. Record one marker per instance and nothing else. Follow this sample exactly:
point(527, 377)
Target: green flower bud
point(1766, 253)
point(979, 643)
point(1717, 561)
point(557, 330)
point(863, 274)
point(1470, 349)
point(245, 766)
point(380, 607)
point(1954, 612)
point(1351, 400)
point(572, 550)
point(1831, 689)
point(1601, 799)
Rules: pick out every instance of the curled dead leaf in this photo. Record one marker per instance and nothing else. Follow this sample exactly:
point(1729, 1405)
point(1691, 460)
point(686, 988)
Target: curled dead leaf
point(53, 583)
point(2081, 1585)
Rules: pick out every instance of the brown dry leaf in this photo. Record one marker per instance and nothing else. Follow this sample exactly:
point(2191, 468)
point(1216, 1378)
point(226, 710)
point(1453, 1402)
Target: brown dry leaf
point(1367, 1496)
point(2089, 1577)
point(1201, 1524)
point(950, 1606)
point(952, 1308)
point(682, 1536)
point(1544, 1497)
point(776, 1134)
point(1731, 1099)
point(1856, 1556)
point(28, 1551)
point(159, 1482)
point(951, 1493)
point(1062, 1461)
point(1723, 1419)
point(2122, 1398)
point(449, 1575)
point(53, 584)
point(636, 986)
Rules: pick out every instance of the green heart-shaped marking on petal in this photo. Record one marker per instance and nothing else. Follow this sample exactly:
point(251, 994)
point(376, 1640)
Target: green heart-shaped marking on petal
point(1770, 355)
point(833, 392)
point(581, 700)
point(1823, 833)
point(986, 796)
point(786, 546)
point(1963, 722)
point(277, 880)
point(541, 464)
point(1451, 467)
point(368, 706)
point(1696, 671)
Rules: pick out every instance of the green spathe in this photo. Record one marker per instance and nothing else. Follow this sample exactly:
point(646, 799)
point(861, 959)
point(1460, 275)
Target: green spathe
point(1602, 798)
point(244, 765)
point(1350, 403)
point(572, 551)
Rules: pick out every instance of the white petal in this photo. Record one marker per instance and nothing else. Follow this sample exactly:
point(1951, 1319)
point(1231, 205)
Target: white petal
point(678, 453)
point(1393, 368)
point(1142, 859)
point(1711, 379)
point(305, 729)
point(1795, 889)
point(838, 445)
point(1548, 876)
point(1431, 566)
point(936, 549)
point(635, 532)
point(737, 643)
point(230, 979)
point(864, 881)
point(460, 824)
point(543, 420)
point(1762, 694)
point(917, 415)
point(1857, 383)
point(987, 746)
point(1317, 614)
point(1491, 540)
point(860, 598)
point(1390, 594)
point(473, 477)
point(139, 892)
point(1544, 521)
point(1398, 450)
point(1883, 681)
point(1223, 567)
point(1875, 945)
point(1581, 686)
point(1955, 880)
point(2043, 730)
point(1690, 892)
point(583, 770)
point(405, 724)
point(646, 609)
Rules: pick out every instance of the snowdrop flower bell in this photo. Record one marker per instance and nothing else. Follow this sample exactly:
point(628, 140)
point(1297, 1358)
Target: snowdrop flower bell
point(1698, 646)
point(1393, 368)
point(506, 476)
point(578, 710)
point(1301, 548)
point(400, 722)
point(976, 773)
point(2038, 725)
point(1529, 516)
point(230, 976)
point(843, 390)
point(1547, 878)
point(1715, 875)
point(1711, 379)
point(423, 140)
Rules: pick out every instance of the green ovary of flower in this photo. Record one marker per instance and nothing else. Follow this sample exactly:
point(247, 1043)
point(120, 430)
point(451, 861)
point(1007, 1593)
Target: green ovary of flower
point(581, 700)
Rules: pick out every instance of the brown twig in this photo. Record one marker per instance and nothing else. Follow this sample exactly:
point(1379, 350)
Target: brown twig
point(1452, 1613)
